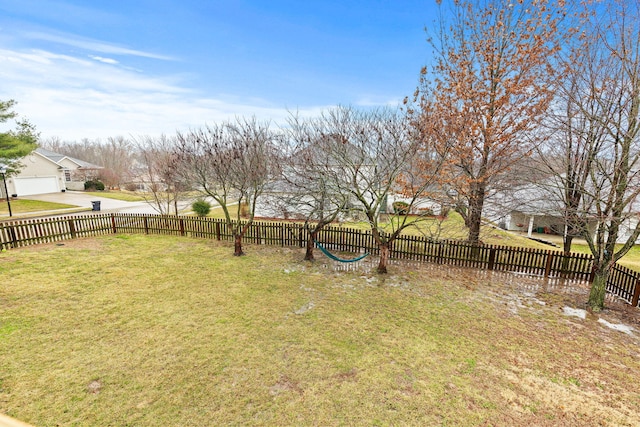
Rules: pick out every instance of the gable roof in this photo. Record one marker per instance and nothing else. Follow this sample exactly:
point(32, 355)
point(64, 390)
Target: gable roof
point(57, 158)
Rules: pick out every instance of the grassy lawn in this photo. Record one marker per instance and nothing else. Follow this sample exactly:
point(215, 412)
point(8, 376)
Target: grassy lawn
point(127, 196)
point(630, 260)
point(19, 206)
point(160, 331)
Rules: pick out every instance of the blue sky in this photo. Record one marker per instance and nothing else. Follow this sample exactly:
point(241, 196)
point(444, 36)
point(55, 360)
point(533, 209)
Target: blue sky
point(98, 68)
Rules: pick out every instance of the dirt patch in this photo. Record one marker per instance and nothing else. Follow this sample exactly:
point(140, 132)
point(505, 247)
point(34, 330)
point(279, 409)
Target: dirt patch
point(94, 387)
point(285, 385)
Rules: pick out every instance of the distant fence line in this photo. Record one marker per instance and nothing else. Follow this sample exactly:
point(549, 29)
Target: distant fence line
point(623, 282)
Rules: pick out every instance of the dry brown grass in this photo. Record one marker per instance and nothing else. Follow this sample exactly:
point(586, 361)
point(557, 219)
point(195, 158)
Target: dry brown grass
point(138, 330)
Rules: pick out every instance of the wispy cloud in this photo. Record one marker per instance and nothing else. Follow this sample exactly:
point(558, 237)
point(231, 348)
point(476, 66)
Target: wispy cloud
point(92, 45)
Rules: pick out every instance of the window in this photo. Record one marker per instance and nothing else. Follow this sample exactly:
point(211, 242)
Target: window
point(67, 175)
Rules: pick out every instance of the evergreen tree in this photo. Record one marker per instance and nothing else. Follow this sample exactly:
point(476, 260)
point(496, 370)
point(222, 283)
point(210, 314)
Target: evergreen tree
point(15, 143)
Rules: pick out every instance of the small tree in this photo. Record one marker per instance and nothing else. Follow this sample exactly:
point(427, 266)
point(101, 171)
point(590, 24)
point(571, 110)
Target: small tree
point(231, 163)
point(159, 173)
point(370, 156)
point(308, 189)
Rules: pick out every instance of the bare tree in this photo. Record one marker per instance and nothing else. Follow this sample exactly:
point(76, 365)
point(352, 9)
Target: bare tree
point(305, 187)
point(159, 174)
point(483, 100)
point(605, 98)
point(115, 155)
point(231, 163)
point(371, 156)
point(568, 157)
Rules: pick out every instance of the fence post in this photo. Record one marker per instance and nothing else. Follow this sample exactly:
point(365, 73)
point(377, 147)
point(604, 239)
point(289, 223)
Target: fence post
point(547, 266)
point(182, 226)
point(14, 236)
point(217, 231)
point(113, 223)
point(72, 228)
point(300, 235)
point(146, 224)
point(636, 294)
point(283, 230)
point(492, 258)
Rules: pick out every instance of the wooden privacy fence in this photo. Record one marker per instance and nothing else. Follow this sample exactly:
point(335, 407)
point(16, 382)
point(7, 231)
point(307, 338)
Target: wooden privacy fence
point(623, 282)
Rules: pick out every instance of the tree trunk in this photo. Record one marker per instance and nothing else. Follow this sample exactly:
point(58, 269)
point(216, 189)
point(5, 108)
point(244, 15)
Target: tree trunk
point(238, 245)
point(599, 286)
point(566, 253)
point(308, 256)
point(384, 258)
point(474, 216)
point(566, 244)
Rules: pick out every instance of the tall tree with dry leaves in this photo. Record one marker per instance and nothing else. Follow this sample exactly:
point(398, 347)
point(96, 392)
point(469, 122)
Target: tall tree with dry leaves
point(486, 93)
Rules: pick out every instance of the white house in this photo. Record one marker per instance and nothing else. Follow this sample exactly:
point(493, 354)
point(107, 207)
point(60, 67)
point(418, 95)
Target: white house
point(44, 172)
point(538, 208)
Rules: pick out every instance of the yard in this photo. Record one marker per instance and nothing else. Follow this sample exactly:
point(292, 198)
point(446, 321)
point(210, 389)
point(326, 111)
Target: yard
point(148, 330)
point(21, 206)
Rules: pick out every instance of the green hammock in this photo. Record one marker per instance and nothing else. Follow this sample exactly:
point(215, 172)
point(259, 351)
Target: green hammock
point(335, 258)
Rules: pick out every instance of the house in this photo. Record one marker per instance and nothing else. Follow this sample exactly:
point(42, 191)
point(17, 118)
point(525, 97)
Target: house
point(44, 171)
point(533, 208)
point(538, 208)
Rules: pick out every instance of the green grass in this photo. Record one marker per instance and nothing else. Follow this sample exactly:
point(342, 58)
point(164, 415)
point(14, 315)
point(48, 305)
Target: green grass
point(630, 260)
point(159, 331)
point(126, 196)
point(19, 206)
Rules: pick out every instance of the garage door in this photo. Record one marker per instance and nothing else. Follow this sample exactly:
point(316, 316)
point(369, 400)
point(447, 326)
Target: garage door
point(40, 185)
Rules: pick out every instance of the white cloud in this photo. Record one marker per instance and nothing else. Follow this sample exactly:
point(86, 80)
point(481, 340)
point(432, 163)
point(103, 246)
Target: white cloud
point(105, 60)
point(74, 98)
point(376, 101)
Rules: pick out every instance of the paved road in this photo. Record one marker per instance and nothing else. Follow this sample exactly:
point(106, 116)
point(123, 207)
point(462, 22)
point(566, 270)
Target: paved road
point(78, 198)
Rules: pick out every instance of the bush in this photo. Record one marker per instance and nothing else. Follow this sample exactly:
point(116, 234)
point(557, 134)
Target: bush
point(426, 212)
point(401, 208)
point(94, 185)
point(201, 207)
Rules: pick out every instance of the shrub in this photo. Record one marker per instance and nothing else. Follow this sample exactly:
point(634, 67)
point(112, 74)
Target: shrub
point(94, 185)
point(401, 208)
point(201, 207)
point(426, 211)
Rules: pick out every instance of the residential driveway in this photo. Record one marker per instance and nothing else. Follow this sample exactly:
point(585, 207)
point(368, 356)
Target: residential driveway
point(81, 199)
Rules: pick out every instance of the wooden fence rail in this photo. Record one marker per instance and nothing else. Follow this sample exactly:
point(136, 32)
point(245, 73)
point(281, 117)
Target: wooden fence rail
point(623, 282)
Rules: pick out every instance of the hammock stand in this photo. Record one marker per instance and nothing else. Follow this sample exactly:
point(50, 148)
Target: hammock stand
point(335, 258)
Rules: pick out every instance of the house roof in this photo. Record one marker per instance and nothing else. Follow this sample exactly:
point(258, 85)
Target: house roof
point(57, 158)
